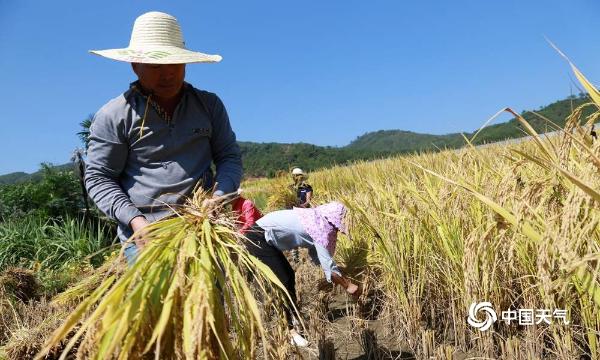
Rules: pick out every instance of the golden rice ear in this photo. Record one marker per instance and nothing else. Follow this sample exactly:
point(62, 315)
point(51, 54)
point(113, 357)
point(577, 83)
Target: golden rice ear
point(589, 87)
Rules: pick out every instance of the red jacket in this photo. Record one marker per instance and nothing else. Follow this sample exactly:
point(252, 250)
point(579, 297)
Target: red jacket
point(247, 213)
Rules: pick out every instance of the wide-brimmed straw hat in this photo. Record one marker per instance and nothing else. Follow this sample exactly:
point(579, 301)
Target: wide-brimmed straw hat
point(156, 39)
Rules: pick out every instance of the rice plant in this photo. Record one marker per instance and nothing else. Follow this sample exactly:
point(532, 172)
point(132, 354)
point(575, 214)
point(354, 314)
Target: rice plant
point(516, 225)
point(281, 194)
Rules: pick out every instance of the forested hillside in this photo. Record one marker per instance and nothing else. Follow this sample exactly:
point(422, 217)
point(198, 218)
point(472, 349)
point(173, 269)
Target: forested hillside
point(265, 159)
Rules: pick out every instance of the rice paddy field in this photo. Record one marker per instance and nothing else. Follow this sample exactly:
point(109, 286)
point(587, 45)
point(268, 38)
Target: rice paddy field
point(515, 226)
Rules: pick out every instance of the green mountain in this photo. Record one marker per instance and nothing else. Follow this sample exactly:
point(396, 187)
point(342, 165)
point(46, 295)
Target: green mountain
point(21, 177)
point(265, 159)
point(398, 141)
point(13, 177)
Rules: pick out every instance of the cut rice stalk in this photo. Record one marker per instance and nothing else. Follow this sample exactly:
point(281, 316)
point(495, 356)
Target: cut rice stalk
point(186, 296)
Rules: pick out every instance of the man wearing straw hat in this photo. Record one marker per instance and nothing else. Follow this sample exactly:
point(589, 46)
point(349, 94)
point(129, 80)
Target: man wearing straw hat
point(150, 146)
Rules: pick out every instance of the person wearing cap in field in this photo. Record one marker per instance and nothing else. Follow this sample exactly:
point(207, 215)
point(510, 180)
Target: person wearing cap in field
point(151, 145)
point(303, 190)
point(315, 229)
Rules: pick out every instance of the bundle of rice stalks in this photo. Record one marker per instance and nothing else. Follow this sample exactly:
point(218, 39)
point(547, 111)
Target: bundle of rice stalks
point(187, 296)
point(19, 283)
point(282, 196)
point(25, 327)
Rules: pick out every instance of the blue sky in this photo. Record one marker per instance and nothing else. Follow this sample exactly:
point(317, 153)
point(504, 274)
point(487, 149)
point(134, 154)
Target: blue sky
point(321, 72)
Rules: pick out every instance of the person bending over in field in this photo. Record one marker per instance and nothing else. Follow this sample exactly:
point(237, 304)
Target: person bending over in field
point(315, 229)
point(247, 213)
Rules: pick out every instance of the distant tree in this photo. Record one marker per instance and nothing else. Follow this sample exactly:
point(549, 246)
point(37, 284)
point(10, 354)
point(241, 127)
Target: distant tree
point(56, 194)
point(77, 159)
point(84, 134)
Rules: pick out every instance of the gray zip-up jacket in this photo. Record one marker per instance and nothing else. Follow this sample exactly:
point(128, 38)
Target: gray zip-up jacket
point(128, 175)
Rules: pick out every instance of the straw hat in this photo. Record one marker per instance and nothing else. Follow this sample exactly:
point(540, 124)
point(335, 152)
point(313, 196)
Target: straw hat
point(156, 39)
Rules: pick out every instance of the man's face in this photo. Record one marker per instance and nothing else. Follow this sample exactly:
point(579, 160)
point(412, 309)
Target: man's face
point(164, 81)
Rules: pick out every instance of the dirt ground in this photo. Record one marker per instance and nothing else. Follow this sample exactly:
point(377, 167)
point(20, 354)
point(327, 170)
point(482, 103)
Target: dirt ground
point(337, 327)
point(344, 336)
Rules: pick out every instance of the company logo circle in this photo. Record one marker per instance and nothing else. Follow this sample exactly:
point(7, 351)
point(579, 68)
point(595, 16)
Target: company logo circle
point(490, 315)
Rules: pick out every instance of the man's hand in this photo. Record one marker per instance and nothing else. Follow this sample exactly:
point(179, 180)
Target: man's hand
point(213, 205)
point(138, 225)
point(210, 204)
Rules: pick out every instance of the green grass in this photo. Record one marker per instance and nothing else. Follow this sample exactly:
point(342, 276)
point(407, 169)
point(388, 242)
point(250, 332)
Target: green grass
point(33, 242)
